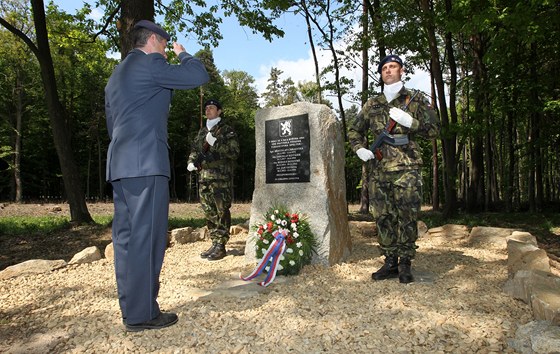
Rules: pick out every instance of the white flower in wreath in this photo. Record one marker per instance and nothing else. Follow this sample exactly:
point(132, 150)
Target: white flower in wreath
point(284, 223)
point(301, 253)
point(272, 217)
point(263, 250)
point(292, 263)
point(265, 241)
point(279, 222)
point(289, 250)
point(282, 257)
point(294, 226)
point(280, 266)
point(276, 211)
point(299, 244)
point(296, 235)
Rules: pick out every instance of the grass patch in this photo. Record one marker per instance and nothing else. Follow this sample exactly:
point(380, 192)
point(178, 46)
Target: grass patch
point(25, 225)
point(22, 225)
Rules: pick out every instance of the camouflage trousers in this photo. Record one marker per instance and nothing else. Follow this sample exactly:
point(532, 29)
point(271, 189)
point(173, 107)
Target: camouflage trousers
point(215, 198)
point(395, 199)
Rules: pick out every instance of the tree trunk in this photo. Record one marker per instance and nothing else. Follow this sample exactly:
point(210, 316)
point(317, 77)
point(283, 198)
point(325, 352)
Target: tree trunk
point(312, 45)
point(476, 186)
point(17, 145)
point(131, 12)
point(62, 137)
point(378, 35)
point(364, 193)
point(448, 143)
point(511, 161)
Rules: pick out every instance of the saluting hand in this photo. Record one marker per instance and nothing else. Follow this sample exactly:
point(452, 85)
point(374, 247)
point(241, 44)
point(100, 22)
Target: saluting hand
point(178, 48)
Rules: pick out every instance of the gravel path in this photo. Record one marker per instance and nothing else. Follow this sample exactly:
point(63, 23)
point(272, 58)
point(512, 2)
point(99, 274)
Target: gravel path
point(458, 308)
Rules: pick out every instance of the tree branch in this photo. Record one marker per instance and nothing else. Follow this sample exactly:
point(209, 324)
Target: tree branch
point(21, 35)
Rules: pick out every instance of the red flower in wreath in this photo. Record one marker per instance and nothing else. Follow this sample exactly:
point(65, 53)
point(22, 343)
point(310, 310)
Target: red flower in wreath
point(295, 218)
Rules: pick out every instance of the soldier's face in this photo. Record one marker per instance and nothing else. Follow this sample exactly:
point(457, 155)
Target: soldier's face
point(391, 72)
point(212, 111)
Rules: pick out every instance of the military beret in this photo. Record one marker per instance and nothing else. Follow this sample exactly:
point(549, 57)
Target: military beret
point(387, 59)
point(149, 25)
point(213, 102)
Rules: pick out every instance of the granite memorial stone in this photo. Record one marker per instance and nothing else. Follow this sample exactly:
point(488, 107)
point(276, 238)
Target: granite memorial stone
point(300, 164)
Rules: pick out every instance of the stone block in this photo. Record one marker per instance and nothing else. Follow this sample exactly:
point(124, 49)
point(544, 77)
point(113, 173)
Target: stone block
point(525, 256)
point(536, 337)
point(32, 266)
point(366, 229)
point(449, 231)
point(238, 229)
point(489, 237)
point(522, 236)
point(422, 229)
point(184, 235)
point(545, 302)
point(87, 255)
point(109, 252)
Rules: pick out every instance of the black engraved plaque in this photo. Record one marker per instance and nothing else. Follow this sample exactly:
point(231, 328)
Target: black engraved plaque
point(287, 150)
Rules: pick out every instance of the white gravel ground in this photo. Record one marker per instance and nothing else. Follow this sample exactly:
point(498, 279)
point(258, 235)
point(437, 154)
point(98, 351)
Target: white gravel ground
point(458, 308)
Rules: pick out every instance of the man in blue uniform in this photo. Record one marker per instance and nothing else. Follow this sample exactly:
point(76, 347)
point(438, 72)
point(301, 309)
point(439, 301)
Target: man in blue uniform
point(137, 99)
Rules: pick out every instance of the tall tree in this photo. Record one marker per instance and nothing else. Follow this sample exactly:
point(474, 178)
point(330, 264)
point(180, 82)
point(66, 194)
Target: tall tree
point(70, 172)
point(436, 70)
point(273, 94)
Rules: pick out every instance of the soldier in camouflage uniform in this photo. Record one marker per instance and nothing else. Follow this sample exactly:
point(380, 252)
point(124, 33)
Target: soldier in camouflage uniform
point(214, 152)
point(395, 180)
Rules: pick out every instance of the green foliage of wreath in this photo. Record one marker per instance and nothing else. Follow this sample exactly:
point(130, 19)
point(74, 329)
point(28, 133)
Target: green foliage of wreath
point(300, 241)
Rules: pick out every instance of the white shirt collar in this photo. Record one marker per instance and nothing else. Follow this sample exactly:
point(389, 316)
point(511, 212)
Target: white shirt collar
point(211, 123)
point(391, 91)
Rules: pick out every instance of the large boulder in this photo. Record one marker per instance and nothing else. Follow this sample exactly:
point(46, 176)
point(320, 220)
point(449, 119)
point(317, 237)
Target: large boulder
point(33, 266)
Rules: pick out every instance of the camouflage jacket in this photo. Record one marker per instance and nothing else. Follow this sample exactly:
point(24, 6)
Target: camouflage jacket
point(216, 162)
point(373, 118)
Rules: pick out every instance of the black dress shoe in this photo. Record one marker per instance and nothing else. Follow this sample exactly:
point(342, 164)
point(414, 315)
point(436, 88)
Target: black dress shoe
point(218, 253)
point(164, 319)
point(208, 252)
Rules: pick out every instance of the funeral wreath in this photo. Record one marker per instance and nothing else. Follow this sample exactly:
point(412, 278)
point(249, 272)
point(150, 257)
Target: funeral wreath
point(300, 241)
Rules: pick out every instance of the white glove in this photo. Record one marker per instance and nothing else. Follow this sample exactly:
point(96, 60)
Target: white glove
point(191, 167)
point(365, 154)
point(401, 117)
point(210, 139)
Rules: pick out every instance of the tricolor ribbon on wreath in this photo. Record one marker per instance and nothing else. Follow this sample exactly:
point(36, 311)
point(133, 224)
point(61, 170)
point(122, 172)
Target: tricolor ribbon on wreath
point(272, 256)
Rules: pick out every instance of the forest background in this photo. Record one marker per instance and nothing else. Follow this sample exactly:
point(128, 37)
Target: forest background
point(494, 79)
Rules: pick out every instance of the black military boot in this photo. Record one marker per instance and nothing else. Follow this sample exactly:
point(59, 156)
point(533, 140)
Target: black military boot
point(208, 252)
point(405, 273)
point(389, 269)
point(218, 253)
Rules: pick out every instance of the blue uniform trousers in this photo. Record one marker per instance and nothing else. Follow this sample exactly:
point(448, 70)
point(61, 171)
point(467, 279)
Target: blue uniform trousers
point(139, 239)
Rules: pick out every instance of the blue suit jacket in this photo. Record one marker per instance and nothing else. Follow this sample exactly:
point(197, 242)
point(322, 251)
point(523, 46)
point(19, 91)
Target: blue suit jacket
point(137, 99)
